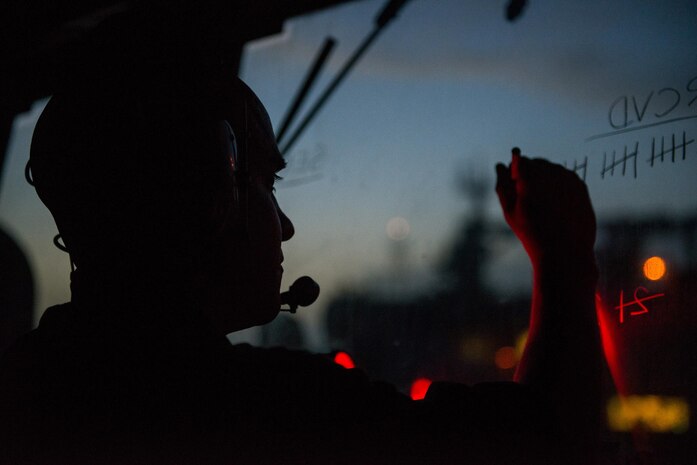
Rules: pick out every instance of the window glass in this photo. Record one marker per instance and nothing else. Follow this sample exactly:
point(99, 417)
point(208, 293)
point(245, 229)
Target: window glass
point(391, 189)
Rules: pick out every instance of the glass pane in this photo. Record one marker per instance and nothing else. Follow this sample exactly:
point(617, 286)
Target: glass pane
point(391, 190)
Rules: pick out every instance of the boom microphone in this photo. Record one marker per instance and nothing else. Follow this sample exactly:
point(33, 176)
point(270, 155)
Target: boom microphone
point(514, 9)
point(303, 292)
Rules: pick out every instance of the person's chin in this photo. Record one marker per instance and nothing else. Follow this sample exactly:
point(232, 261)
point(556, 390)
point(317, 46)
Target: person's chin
point(264, 297)
point(258, 312)
point(267, 300)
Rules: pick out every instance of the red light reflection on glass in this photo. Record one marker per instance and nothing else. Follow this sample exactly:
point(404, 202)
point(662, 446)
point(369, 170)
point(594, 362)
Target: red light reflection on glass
point(344, 359)
point(419, 388)
point(637, 301)
point(610, 346)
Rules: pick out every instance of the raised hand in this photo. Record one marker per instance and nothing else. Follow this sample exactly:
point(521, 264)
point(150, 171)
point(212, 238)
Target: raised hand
point(547, 206)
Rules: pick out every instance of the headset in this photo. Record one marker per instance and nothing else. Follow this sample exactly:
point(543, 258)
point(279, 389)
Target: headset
point(234, 149)
point(236, 158)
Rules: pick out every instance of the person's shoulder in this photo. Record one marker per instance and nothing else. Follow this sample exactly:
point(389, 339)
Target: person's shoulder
point(57, 318)
point(22, 355)
point(294, 368)
point(293, 363)
point(308, 389)
point(491, 407)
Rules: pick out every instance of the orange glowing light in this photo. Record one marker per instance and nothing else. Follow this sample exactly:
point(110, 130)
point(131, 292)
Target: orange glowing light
point(654, 268)
point(419, 388)
point(520, 343)
point(658, 414)
point(344, 359)
point(505, 358)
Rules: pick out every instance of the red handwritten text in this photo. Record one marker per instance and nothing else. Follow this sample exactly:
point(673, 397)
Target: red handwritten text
point(638, 301)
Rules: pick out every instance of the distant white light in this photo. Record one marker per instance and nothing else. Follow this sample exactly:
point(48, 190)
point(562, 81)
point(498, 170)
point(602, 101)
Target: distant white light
point(397, 228)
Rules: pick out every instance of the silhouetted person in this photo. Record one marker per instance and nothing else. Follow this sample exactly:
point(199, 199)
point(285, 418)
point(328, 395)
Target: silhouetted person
point(176, 238)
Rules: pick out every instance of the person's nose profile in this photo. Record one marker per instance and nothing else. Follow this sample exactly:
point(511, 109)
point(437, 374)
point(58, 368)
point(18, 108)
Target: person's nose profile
point(287, 228)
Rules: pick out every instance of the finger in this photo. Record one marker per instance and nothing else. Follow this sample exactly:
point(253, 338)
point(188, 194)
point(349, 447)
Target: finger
point(515, 161)
point(503, 176)
point(539, 173)
point(505, 187)
point(544, 183)
point(523, 173)
point(544, 167)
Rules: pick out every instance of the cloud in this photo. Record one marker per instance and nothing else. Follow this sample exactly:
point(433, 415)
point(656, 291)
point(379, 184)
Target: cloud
point(579, 52)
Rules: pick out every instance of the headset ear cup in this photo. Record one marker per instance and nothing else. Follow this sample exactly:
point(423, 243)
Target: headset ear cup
point(234, 212)
point(229, 215)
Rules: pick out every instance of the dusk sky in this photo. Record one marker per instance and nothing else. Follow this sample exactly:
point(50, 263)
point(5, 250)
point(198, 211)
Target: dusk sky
point(447, 89)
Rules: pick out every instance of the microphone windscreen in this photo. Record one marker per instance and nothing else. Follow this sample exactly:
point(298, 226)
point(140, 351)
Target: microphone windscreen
point(304, 291)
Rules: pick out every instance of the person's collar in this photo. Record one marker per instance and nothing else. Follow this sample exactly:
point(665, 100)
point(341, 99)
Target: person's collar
point(117, 298)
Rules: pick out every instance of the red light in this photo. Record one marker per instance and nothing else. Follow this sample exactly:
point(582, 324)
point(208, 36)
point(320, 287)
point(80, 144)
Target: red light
point(344, 359)
point(505, 358)
point(419, 388)
point(610, 348)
